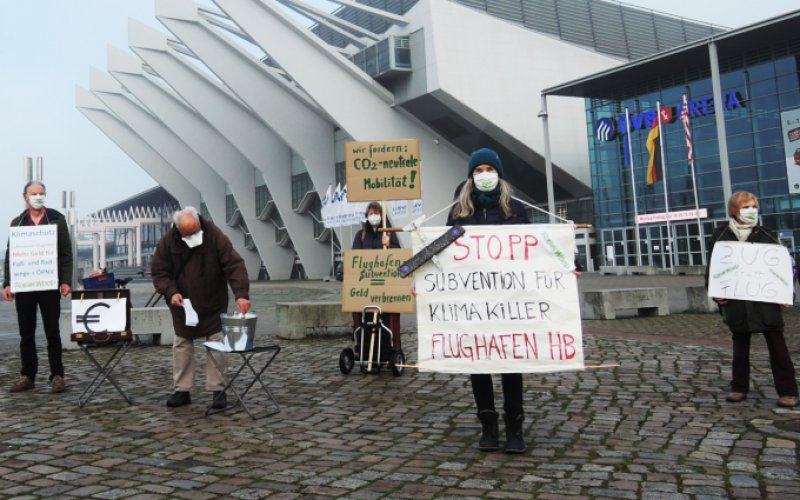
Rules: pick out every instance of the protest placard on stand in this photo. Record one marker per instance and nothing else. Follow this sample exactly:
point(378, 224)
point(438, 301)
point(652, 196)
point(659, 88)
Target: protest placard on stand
point(750, 271)
point(371, 278)
point(33, 258)
point(504, 301)
point(383, 170)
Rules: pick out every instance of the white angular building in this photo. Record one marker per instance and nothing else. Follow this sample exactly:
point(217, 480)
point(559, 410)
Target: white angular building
point(242, 107)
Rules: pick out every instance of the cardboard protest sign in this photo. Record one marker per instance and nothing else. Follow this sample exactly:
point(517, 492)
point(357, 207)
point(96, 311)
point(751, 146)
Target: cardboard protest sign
point(750, 271)
point(505, 301)
point(99, 315)
point(371, 279)
point(33, 258)
point(382, 170)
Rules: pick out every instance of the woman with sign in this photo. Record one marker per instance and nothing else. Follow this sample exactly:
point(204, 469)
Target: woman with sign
point(745, 317)
point(370, 238)
point(485, 198)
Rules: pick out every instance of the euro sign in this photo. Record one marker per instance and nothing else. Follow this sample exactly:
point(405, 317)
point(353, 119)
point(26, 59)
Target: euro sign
point(88, 318)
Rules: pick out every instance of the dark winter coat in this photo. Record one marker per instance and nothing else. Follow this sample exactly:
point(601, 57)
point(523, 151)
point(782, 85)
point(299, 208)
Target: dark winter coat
point(208, 270)
point(372, 239)
point(746, 316)
point(492, 215)
point(63, 241)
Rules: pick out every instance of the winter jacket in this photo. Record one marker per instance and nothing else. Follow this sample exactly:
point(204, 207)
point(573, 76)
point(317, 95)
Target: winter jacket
point(208, 269)
point(64, 244)
point(372, 239)
point(746, 316)
point(492, 215)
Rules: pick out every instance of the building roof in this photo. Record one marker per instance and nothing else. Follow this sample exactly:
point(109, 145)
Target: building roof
point(609, 27)
point(734, 48)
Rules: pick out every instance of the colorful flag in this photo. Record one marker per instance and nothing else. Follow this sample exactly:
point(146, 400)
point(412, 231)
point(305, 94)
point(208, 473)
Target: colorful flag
point(687, 129)
point(655, 161)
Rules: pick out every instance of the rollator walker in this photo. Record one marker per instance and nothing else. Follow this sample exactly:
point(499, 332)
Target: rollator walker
point(373, 346)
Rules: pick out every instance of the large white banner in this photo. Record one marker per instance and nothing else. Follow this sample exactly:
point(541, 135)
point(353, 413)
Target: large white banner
point(750, 271)
point(790, 125)
point(99, 315)
point(505, 301)
point(33, 258)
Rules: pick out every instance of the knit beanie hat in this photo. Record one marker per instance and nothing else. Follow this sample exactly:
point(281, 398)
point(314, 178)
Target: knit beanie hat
point(484, 156)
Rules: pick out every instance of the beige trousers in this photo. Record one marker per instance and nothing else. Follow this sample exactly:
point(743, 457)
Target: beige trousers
point(183, 365)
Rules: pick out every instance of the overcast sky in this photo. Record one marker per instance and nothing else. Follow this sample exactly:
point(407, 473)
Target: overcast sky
point(48, 46)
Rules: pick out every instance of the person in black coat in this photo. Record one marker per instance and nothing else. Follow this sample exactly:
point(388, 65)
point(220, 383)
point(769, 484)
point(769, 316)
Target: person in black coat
point(485, 198)
point(745, 317)
point(369, 238)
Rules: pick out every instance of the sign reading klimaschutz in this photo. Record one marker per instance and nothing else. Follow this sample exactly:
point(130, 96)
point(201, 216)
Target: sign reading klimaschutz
point(606, 129)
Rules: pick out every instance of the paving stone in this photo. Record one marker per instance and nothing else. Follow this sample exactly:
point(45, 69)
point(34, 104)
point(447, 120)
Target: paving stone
point(656, 427)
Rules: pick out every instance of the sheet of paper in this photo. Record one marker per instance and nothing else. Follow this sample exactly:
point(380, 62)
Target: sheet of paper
point(191, 314)
point(217, 346)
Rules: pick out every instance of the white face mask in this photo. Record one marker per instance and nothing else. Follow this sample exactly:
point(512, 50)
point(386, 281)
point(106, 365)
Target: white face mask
point(194, 240)
point(486, 181)
point(374, 219)
point(36, 201)
point(749, 215)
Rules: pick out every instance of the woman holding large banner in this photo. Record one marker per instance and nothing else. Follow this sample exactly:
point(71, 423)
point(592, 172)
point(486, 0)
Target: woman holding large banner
point(485, 198)
point(369, 238)
point(745, 317)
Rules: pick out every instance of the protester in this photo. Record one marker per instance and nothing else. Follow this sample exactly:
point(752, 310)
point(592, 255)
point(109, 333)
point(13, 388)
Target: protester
point(48, 301)
point(369, 238)
point(745, 317)
point(194, 263)
point(485, 198)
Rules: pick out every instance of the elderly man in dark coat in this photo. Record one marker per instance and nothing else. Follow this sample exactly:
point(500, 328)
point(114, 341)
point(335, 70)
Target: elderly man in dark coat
point(194, 260)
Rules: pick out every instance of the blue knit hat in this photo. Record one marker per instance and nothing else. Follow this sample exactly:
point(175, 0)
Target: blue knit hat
point(484, 156)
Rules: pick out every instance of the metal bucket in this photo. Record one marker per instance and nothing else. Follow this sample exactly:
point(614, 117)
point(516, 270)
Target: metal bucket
point(238, 331)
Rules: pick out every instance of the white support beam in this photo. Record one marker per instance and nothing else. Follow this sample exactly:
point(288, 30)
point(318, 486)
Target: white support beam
point(135, 147)
point(388, 16)
point(251, 137)
point(214, 149)
point(356, 102)
point(303, 7)
point(177, 154)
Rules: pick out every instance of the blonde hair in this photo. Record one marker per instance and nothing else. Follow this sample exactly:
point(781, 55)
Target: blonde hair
point(737, 199)
point(465, 208)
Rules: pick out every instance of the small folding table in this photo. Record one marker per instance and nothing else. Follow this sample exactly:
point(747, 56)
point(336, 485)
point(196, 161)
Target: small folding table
point(271, 351)
point(116, 342)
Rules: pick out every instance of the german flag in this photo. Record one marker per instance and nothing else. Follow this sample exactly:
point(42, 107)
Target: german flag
point(654, 164)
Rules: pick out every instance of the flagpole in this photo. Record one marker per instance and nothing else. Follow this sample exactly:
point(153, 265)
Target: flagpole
point(664, 181)
point(690, 153)
point(633, 187)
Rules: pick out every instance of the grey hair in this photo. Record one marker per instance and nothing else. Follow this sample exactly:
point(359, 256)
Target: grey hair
point(187, 210)
point(32, 183)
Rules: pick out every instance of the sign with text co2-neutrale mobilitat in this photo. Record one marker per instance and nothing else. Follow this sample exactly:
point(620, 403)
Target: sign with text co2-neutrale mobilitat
point(382, 170)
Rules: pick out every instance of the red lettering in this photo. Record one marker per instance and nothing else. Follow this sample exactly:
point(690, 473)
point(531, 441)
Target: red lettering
point(515, 345)
point(530, 345)
point(477, 239)
point(513, 239)
point(569, 348)
point(458, 243)
point(530, 241)
point(499, 252)
point(435, 338)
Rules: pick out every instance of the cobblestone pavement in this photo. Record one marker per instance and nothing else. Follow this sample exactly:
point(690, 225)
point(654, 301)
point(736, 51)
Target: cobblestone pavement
point(656, 427)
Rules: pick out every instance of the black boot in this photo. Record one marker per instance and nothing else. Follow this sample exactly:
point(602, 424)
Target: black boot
point(179, 398)
point(514, 441)
point(489, 430)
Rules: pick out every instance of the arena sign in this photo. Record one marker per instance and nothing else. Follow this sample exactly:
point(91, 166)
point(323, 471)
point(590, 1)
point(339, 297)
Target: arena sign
point(606, 129)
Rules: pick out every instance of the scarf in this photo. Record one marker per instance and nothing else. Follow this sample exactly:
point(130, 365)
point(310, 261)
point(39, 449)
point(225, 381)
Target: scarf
point(742, 230)
point(486, 199)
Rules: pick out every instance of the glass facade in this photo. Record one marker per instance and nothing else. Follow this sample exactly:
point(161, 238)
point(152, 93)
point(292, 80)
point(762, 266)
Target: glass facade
point(756, 87)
